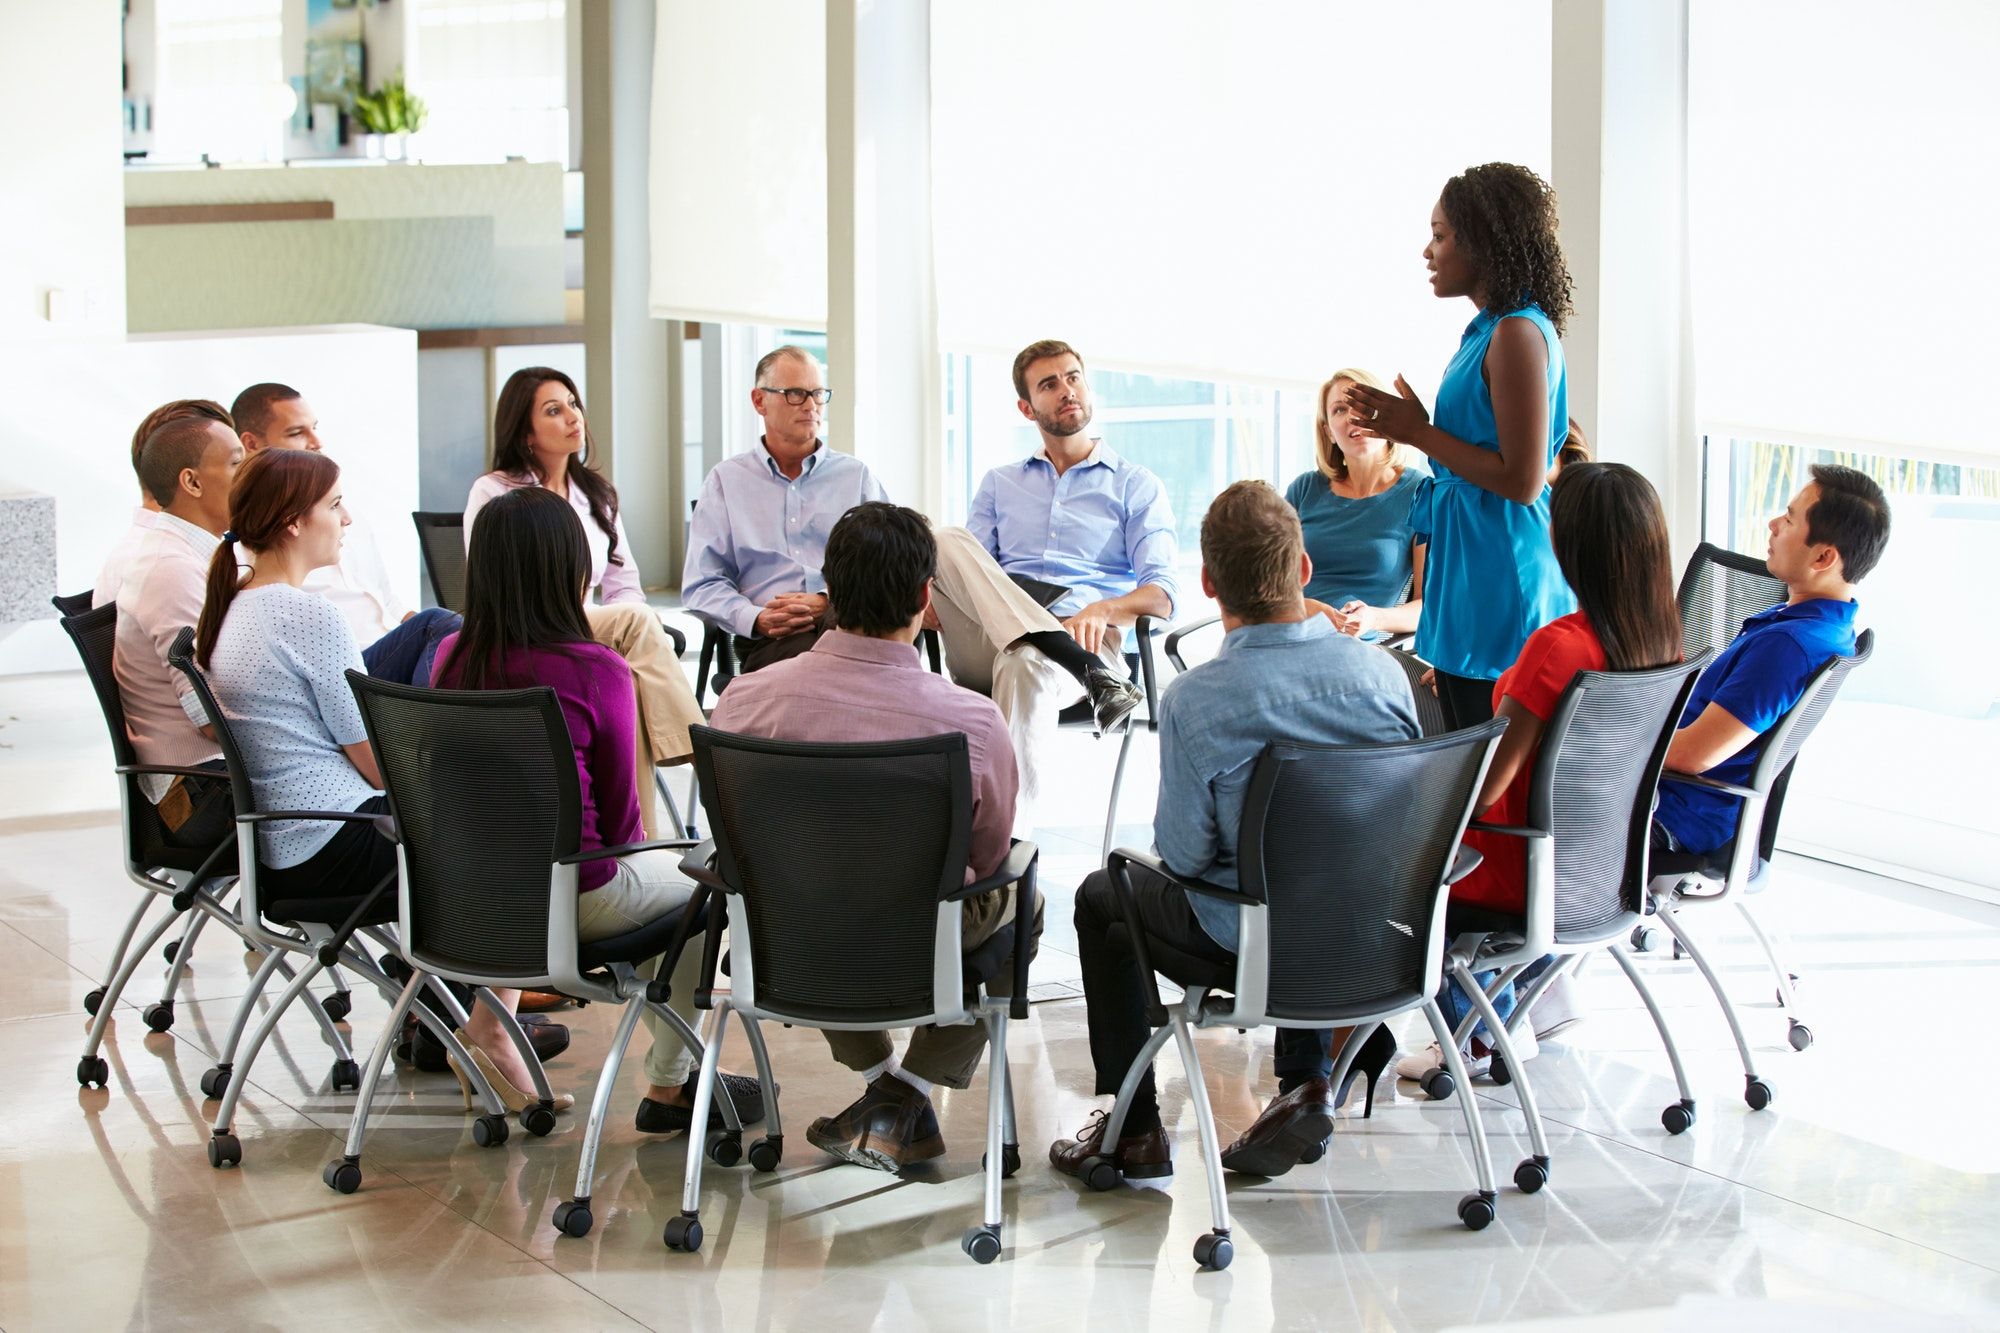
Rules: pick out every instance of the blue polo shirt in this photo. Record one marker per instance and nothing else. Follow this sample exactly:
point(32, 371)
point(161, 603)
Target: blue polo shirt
point(1757, 679)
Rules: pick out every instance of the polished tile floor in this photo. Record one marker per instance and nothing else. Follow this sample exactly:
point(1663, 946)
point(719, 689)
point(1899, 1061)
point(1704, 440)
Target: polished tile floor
point(1863, 1198)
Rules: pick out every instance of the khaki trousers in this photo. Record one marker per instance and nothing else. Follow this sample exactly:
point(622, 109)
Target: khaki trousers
point(667, 707)
point(644, 887)
point(983, 616)
point(943, 1055)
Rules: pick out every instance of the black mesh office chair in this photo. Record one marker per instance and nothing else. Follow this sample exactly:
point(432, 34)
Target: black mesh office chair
point(72, 604)
point(843, 866)
point(315, 933)
point(1740, 868)
point(1321, 943)
point(483, 787)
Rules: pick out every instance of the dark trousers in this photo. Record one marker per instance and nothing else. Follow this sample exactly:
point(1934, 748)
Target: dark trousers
point(1467, 700)
point(1114, 989)
point(199, 812)
point(350, 865)
point(756, 654)
point(405, 654)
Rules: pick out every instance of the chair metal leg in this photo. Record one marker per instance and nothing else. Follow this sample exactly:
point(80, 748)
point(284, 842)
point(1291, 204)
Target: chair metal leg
point(378, 1056)
point(519, 1037)
point(732, 1121)
point(1345, 1060)
point(996, 1114)
point(1211, 1146)
point(600, 1107)
point(1476, 1209)
point(145, 904)
point(1532, 1174)
point(1114, 1123)
point(1525, 1002)
point(1756, 1092)
point(684, 1232)
point(1117, 785)
point(183, 953)
point(1798, 1033)
point(774, 1129)
point(219, 1152)
point(1680, 1115)
point(89, 1067)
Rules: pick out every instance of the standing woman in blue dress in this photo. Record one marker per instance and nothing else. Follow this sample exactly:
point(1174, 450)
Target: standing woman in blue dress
point(1502, 415)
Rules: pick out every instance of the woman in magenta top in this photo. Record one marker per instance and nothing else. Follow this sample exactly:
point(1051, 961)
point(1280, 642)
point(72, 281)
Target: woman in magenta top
point(527, 570)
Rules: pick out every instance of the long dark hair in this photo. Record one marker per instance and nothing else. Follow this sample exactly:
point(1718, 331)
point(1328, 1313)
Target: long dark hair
point(527, 568)
point(275, 488)
point(1505, 217)
point(1610, 536)
point(512, 428)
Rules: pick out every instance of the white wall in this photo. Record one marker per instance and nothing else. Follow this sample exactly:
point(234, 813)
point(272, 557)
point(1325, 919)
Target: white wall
point(61, 174)
point(361, 379)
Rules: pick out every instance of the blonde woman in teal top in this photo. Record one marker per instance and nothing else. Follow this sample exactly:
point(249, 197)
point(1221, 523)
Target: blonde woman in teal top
point(1502, 414)
point(1356, 509)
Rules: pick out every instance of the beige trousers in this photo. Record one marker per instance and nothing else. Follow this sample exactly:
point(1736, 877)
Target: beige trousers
point(644, 887)
point(983, 616)
point(667, 707)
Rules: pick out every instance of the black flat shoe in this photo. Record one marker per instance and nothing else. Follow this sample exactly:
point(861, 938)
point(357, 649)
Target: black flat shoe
point(664, 1117)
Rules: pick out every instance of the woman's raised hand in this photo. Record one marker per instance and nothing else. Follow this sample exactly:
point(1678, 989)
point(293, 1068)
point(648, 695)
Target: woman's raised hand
point(1399, 417)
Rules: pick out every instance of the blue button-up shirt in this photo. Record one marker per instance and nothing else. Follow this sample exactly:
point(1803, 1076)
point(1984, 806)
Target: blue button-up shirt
point(758, 533)
point(1101, 529)
point(1296, 682)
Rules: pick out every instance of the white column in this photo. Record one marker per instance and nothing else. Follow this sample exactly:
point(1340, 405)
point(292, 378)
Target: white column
point(882, 350)
point(1620, 173)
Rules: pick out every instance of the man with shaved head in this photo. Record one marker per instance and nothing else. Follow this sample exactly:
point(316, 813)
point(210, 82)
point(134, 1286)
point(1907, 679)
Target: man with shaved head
point(120, 562)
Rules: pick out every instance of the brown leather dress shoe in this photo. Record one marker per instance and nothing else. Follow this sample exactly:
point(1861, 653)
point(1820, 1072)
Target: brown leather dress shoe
point(1144, 1156)
point(542, 1002)
point(889, 1127)
point(1294, 1129)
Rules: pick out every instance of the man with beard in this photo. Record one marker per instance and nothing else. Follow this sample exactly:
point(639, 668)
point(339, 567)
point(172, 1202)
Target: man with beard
point(1088, 531)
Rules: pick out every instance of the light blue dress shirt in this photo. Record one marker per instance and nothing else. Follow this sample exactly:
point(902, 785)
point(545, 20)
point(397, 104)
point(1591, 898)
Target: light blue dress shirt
point(757, 532)
point(1101, 529)
point(1296, 682)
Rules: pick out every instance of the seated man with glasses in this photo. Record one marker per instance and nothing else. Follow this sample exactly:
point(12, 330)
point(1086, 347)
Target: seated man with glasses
point(760, 527)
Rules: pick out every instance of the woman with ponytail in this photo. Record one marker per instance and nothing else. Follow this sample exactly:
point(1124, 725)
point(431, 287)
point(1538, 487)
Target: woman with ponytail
point(541, 438)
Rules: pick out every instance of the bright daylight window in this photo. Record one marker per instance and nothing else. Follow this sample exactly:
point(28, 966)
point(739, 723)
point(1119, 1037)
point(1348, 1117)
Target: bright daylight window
point(494, 75)
point(221, 66)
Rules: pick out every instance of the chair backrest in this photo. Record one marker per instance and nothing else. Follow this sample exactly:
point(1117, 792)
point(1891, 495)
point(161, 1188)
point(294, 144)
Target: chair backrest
point(1592, 789)
point(839, 855)
point(483, 786)
point(1719, 591)
point(1430, 709)
point(181, 658)
point(74, 604)
point(1773, 773)
point(1348, 847)
point(442, 537)
point(94, 633)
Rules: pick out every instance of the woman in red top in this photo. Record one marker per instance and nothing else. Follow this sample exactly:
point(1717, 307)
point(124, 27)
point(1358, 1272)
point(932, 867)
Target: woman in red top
point(1610, 539)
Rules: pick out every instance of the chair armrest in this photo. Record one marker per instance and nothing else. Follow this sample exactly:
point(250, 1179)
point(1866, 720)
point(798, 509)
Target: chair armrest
point(1020, 858)
point(1175, 635)
point(386, 825)
point(599, 853)
point(1712, 784)
point(166, 770)
point(1142, 630)
point(1118, 863)
point(1463, 864)
point(1200, 886)
point(674, 634)
point(696, 865)
point(660, 988)
point(1511, 830)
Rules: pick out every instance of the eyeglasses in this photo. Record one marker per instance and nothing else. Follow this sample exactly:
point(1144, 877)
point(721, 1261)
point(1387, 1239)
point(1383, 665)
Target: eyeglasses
point(797, 397)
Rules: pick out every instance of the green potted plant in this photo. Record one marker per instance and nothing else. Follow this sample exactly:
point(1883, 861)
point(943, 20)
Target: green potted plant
point(388, 116)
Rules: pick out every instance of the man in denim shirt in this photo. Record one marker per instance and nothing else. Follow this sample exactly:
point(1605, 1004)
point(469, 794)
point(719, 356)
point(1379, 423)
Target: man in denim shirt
point(1284, 672)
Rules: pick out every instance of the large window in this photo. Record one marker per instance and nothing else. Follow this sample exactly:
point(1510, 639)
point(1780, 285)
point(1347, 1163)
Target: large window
point(1901, 772)
point(494, 75)
point(220, 85)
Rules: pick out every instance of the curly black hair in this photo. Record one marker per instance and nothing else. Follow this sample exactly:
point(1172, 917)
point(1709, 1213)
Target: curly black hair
point(1505, 217)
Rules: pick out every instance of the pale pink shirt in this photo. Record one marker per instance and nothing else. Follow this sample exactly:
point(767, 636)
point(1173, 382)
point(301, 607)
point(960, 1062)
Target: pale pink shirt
point(853, 688)
point(122, 558)
point(611, 583)
point(161, 595)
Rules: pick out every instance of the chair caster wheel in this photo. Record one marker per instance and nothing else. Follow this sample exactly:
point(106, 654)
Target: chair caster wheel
point(765, 1155)
point(170, 953)
point(215, 1082)
point(342, 1175)
point(1100, 1173)
point(683, 1233)
point(1010, 1160)
point(1757, 1094)
point(1645, 939)
point(1800, 1036)
point(573, 1218)
point(1678, 1118)
point(1531, 1175)
point(539, 1120)
point(1499, 1072)
point(337, 1006)
point(159, 1015)
point(224, 1149)
point(726, 1149)
point(1477, 1211)
point(93, 1002)
point(1438, 1085)
point(1213, 1251)
point(489, 1131)
point(345, 1076)
point(93, 1070)
point(982, 1243)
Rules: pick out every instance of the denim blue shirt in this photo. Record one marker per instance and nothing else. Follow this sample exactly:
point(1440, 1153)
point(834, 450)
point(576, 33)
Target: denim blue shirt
point(1101, 529)
point(1296, 682)
point(757, 532)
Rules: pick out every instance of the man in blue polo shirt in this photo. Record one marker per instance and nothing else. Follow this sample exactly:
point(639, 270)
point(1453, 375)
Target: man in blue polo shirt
point(1825, 542)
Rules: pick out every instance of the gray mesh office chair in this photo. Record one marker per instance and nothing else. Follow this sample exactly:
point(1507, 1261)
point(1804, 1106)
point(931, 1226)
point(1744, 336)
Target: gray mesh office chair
point(843, 867)
point(483, 787)
point(1321, 943)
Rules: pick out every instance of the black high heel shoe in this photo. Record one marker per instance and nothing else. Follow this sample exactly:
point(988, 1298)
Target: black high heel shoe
point(1375, 1055)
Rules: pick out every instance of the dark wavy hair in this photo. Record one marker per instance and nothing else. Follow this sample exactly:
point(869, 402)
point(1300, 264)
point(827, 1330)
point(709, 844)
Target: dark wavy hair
point(511, 452)
point(1505, 217)
point(1610, 535)
point(271, 491)
point(527, 568)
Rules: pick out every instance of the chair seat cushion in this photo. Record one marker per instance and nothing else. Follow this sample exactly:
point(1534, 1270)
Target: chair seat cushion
point(330, 911)
point(634, 946)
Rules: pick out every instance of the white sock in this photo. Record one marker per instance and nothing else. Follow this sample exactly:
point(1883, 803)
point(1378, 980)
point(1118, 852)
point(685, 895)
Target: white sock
point(922, 1085)
point(873, 1072)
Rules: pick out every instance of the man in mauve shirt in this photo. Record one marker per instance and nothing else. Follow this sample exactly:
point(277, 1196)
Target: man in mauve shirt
point(862, 681)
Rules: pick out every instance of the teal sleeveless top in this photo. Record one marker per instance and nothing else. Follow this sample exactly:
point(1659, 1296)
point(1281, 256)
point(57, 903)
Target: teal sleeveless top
point(1490, 576)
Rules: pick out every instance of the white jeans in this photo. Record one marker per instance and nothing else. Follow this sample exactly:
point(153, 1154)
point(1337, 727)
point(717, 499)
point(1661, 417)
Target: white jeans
point(644, 887)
